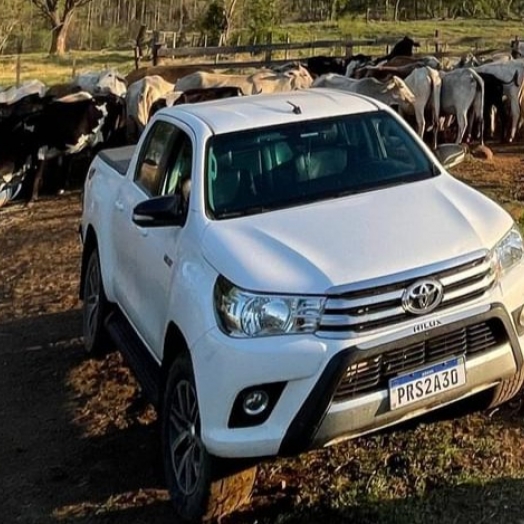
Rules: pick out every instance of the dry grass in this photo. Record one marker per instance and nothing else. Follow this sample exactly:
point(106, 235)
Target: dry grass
point(53, 70)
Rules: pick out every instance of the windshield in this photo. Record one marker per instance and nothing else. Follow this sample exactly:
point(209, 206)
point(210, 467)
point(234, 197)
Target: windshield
point(287, 165)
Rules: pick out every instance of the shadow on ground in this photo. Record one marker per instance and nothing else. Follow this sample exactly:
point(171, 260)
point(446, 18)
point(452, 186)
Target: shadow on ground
point(80, 445)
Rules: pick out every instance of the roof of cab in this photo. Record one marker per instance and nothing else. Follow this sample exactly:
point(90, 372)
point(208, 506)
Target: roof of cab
point(245, 112)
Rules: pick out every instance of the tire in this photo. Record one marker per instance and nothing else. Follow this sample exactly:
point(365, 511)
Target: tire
point(202, 487)
point(95, 308)
point(507, 389)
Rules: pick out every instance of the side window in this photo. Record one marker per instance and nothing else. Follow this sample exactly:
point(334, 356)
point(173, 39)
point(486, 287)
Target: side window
point(178, 175)
point(156, 151)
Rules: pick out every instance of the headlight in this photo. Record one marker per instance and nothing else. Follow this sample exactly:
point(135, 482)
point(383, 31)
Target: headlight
point(509, 251)
point(245, 314)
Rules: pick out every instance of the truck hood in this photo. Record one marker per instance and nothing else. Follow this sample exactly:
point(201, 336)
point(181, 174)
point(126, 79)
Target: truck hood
point(311, 248)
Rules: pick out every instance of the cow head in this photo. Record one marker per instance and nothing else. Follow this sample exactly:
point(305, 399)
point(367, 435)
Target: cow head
point(112, 82)
point(399, 91)
point(299, 78)
point(409, 42)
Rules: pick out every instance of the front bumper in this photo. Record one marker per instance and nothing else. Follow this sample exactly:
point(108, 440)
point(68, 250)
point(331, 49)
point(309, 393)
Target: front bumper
point(369, 412)
point(305, 415)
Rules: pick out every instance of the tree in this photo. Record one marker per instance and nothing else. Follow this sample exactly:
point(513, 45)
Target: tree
point(59, 14)
point(9, 19)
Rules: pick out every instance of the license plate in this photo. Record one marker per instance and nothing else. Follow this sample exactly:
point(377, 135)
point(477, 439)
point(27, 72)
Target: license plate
point(426, 382)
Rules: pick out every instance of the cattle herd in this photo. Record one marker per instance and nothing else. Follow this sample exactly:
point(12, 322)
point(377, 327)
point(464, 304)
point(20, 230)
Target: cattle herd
point(43, 128)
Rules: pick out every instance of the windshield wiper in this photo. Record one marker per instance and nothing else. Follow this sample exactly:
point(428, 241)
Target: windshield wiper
point(244, 212)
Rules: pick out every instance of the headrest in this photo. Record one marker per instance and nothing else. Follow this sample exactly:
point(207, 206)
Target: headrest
point(224, 159)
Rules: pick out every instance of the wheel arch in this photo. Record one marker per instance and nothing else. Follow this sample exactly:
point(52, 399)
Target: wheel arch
point(91, 242)
point(175, 344)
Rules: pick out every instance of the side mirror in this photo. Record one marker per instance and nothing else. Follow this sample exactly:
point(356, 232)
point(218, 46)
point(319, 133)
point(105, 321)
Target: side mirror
point(450, 155)
point(162, 211)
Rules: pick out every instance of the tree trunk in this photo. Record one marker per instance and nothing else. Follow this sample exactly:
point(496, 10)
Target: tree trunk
point(333, 14)
point(59, 34)
point(397, 6)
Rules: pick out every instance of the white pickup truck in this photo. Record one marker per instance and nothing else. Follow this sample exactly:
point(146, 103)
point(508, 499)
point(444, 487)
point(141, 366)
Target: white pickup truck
point(287, 271)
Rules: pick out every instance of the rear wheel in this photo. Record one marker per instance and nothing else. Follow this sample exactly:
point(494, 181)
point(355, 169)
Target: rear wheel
point(95, 308)
point(202, 487)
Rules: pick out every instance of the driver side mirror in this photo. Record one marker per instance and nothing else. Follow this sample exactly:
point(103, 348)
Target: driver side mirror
point(162, 211)
point(450, 155)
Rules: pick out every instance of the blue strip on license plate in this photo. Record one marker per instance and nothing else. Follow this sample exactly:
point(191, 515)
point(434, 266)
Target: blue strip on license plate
point(426, 382)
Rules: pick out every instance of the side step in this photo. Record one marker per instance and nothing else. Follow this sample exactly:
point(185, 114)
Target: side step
point(144, 366)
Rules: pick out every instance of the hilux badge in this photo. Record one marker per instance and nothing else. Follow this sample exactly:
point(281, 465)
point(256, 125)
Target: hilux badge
point(423, 296)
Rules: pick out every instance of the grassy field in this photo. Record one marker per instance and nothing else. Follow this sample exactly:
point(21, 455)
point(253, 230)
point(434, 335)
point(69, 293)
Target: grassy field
point(462, 35)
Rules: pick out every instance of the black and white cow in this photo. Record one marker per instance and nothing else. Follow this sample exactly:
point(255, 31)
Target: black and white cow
point(60, 129)
point(16, 104)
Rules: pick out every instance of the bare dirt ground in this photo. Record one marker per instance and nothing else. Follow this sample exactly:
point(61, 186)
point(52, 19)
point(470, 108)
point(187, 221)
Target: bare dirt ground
point(79, 445)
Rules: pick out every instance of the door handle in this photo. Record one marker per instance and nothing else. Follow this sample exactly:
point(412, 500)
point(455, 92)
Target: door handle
point(119, 205)
point(143, 231)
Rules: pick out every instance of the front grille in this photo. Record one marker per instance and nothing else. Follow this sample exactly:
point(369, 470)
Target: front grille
point(372, 374)
point(348, 315)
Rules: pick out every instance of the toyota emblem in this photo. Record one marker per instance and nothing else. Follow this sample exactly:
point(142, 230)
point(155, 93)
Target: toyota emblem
point(423, 296)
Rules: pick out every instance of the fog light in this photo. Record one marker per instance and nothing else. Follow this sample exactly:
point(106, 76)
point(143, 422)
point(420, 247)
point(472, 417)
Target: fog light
point(255, 402)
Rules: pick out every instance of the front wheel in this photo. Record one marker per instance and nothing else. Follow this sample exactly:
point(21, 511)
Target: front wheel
point(507, 389)
point(202, 487)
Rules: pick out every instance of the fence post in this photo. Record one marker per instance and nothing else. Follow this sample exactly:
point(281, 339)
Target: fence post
point(174, 39)
point(139, 40)
point(269, 41)
point(155, 45)
point(311, 51)
point(286, 53)
point(436, 41)
point(349, 47)
point(19, 49)
point(137, 56)
point(368, 11)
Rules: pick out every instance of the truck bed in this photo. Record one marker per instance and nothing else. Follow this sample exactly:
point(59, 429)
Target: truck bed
point(118, 158)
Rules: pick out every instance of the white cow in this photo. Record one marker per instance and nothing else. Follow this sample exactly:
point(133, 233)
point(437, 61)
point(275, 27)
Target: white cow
point(260, 82)
point(426, 84)
point(204, 80)
point(392, 92)
point(109, 81)
point(12, 95)
point(139, 99)
point(462, 90)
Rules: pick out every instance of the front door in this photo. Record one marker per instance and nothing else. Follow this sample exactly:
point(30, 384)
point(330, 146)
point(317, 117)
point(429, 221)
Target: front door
point(147, 256)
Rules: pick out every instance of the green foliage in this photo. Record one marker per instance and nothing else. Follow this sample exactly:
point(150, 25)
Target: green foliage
point(262, 16)
point(214, 21)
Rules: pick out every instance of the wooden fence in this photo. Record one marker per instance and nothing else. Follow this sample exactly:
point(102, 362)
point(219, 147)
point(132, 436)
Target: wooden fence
point(260, 54)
